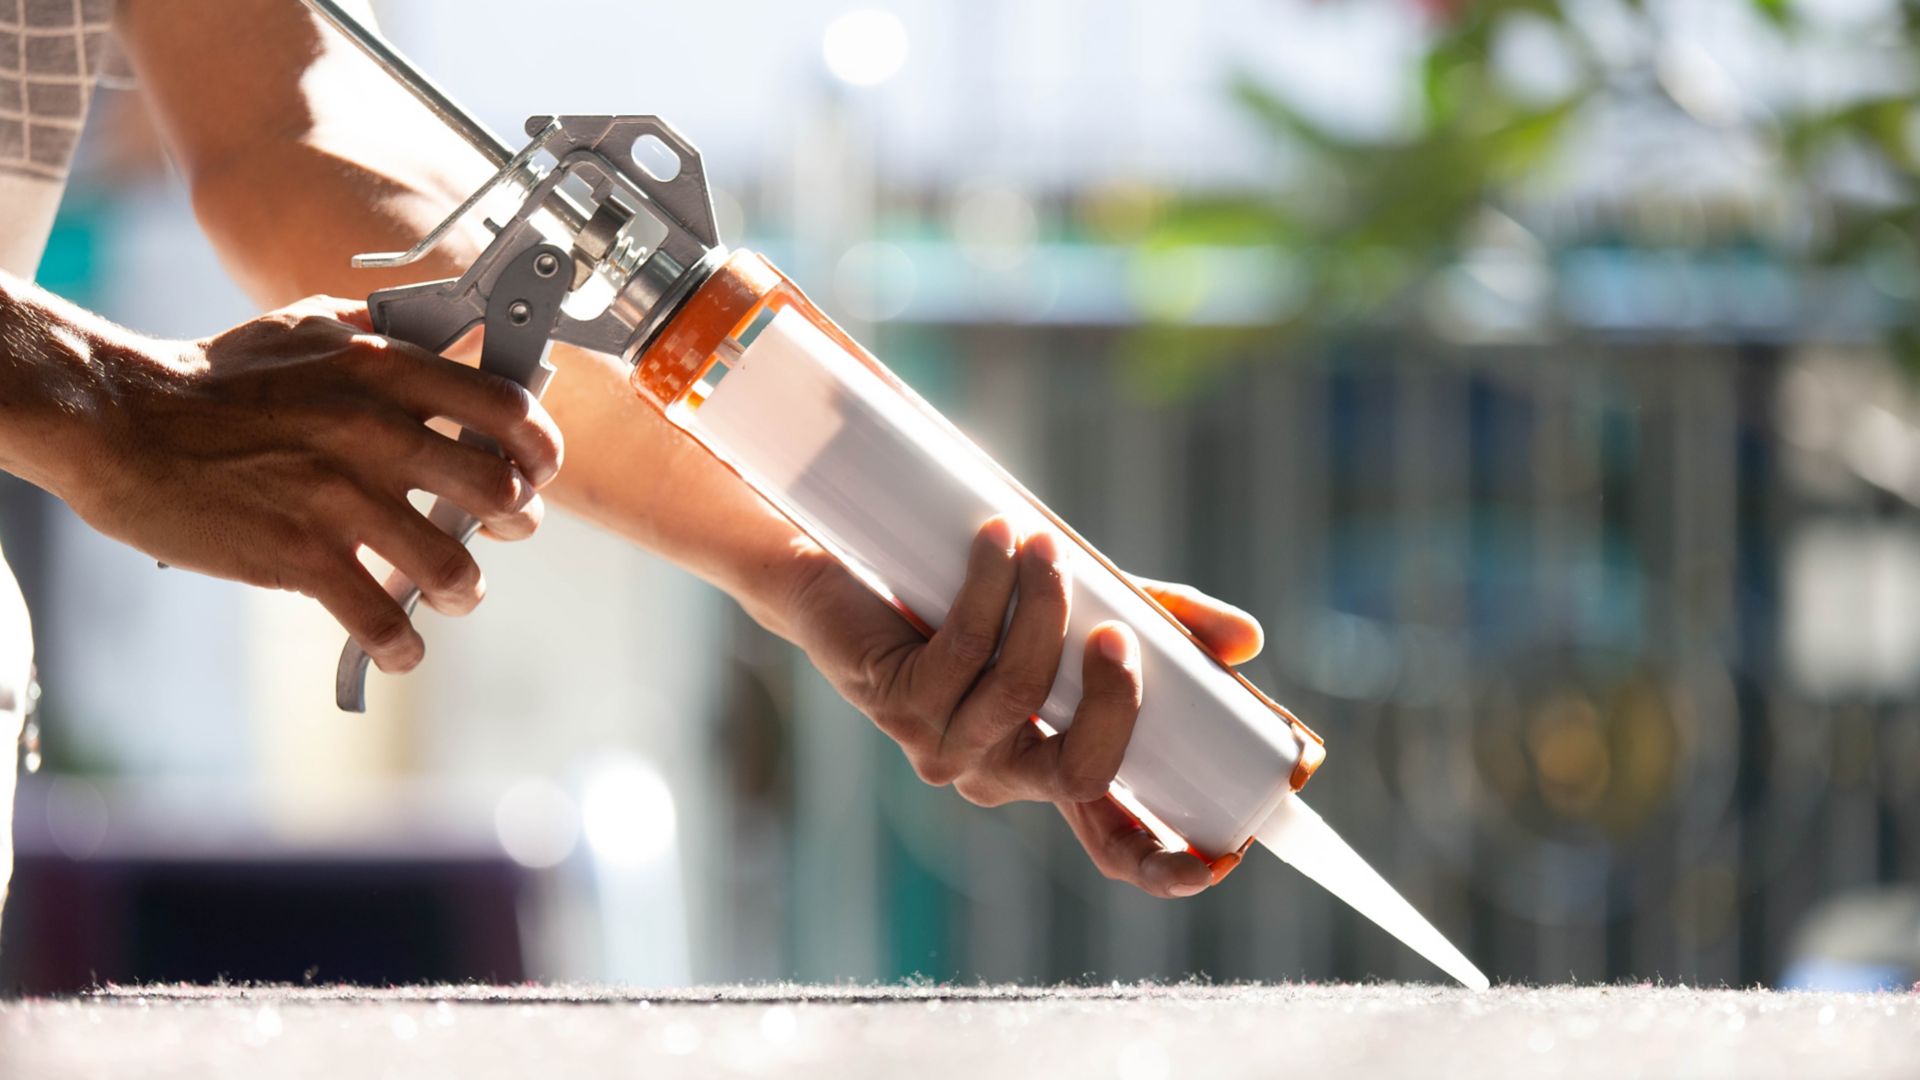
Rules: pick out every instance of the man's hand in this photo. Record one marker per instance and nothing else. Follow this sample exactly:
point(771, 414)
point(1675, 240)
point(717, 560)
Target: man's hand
point(959, 703)
point(271, 453)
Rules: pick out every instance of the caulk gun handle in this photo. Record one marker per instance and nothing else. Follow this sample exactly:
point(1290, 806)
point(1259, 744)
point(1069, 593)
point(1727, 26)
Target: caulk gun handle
point(519, 314)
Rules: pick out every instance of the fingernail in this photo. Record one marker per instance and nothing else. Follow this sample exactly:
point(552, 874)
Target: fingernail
point(1044, 546)
point(1185, 890)
point(1116, 644)
point(999, 532)
point(1223, 866)
point(529, 491)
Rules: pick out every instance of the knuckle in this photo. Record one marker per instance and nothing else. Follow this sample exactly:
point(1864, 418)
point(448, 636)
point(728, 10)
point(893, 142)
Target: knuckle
point(898, 726)
point(979, 792)
point(305, 565)
point(501, 486)
point(881, 672)
point(972, 645)
point(303, 318)
point(524, 519)
point(457, 572)
point(388, 629)
point(313, 559)
point(935, 770)
point(341, 411)
point(1081, 786)
point(897, 715)
point(1024, 691)
point(1121, 697)
point(331, 490)
point(510, 399)
point(1109, 868)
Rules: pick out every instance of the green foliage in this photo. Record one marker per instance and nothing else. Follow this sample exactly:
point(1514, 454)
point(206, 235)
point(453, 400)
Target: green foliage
point(1371, 221)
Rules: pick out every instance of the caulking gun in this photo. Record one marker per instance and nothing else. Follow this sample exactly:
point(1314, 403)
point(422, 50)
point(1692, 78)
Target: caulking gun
point(613, 248)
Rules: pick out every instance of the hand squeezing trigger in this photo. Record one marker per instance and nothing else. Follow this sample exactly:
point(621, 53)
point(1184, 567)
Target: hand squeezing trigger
point(518, 312)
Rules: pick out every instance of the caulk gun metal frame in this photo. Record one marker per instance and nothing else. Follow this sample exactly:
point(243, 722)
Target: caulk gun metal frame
point(516, 288)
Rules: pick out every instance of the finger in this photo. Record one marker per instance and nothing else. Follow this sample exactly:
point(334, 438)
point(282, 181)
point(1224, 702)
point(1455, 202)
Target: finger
point(375, 620)
point(1124, 850)
point(352, 312)
point(450, 580)
point(540, 509)
point(484, 484)
point(1079, 764)
point(1019, 681)
point(953, 658)
point(1231, 634)
point(396, 453)
point(506, 412)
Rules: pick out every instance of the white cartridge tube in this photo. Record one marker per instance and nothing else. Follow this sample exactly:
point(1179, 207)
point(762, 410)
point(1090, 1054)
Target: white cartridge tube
point(899, 497)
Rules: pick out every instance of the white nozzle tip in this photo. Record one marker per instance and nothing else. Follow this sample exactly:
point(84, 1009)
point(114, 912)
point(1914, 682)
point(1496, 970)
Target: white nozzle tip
point(1309, 845)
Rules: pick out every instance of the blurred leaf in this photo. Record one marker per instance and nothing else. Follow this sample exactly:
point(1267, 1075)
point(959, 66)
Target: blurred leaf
point(1281, 119)
point(1778, 12)
point(1371, 220)
point(1167, 363)
point(1905, 342)
point(1229, 221)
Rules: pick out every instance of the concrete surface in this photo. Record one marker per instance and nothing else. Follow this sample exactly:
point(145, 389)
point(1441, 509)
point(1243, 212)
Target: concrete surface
point(927, 1032)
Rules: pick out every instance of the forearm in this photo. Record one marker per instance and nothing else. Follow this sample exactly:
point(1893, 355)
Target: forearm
point(276, 125)
point(633, 473)
point(332, 160)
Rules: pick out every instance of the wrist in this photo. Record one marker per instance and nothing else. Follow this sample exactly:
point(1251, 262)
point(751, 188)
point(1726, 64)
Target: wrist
point(49, 385)
point(68, 383)
point(95, 455)
point(777, 589)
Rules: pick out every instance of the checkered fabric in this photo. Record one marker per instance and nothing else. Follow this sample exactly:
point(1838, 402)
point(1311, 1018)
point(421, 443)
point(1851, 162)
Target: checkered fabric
point(51, 54)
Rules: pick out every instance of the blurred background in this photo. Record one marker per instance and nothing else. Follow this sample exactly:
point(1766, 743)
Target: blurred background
point(1542, 374)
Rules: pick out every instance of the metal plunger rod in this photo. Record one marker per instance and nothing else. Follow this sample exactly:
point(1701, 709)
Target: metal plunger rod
point(477, 134)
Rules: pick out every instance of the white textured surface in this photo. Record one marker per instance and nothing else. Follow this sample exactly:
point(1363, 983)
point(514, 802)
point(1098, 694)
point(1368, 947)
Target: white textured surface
point(1135, 1032)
